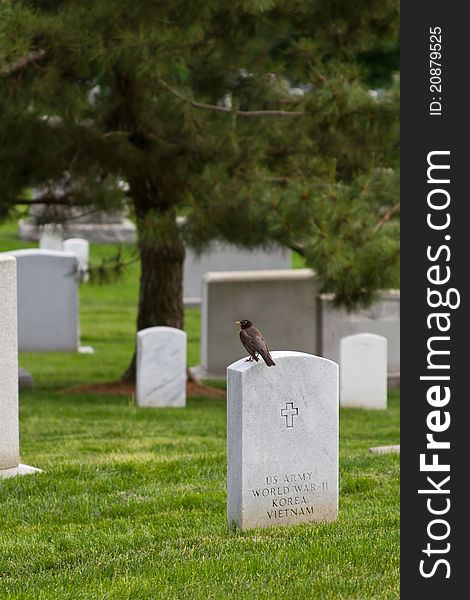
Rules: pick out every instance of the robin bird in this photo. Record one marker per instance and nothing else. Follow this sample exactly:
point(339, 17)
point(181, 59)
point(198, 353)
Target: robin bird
point(254, 342)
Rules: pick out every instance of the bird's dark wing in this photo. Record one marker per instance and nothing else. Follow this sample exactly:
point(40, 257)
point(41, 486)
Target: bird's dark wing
point(260, 346)
point(248, 342)
point(258, 340)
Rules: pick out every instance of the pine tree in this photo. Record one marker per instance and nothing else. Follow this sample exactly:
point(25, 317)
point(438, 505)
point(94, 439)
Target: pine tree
point(253, 119)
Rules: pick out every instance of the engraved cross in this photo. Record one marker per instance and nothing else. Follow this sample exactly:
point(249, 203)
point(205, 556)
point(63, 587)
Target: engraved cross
point(289, 413)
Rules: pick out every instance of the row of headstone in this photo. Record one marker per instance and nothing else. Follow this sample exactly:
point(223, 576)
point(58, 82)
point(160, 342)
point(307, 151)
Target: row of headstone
point(218, 257)
point(288, 307)
point(282, 442)
point(161, 369)
point(95, 226)
point(9, 422)
point(103, 228)
point(282, 423)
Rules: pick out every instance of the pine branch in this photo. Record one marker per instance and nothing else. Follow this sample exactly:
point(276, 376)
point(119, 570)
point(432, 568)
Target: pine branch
point(84, 214)
point(49, 200)
point(272, 178)
point(22, 63)
point(110, 269)
point(387, 216)
point(299, 248)
point(224, 109)
point(115, 134)
point(52, 201)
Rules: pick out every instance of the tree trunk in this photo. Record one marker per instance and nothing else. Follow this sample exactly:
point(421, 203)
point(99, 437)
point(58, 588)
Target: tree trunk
point(162, 253)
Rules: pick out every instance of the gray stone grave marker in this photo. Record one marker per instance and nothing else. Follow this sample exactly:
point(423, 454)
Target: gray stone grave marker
point(363, 371)
point(227, 258)
point(161, 367)
point(282, 441)
point(280, 302)
point(47, 301)
point(9, 422)
point(382, 318)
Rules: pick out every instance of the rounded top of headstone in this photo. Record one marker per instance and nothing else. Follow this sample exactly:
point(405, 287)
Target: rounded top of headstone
point(160, 329)
point(392, 294)
point(358, 337)
point(76, 240)
point(243, 364)
point(33, 252)
point(259, 275)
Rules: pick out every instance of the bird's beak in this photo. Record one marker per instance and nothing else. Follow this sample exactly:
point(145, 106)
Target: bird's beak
point(237, 322)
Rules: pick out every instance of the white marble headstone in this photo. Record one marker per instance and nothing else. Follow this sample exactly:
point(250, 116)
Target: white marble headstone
point(161, 367)
point(282, 441)
point(363, 371)
point(81, 249)
point(50, 237)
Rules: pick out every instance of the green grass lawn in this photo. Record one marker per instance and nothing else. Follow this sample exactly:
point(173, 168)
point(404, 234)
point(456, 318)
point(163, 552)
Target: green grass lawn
point(132, 503)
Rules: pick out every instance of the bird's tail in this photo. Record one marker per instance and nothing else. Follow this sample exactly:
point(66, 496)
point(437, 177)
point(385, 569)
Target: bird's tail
point(268, 359)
